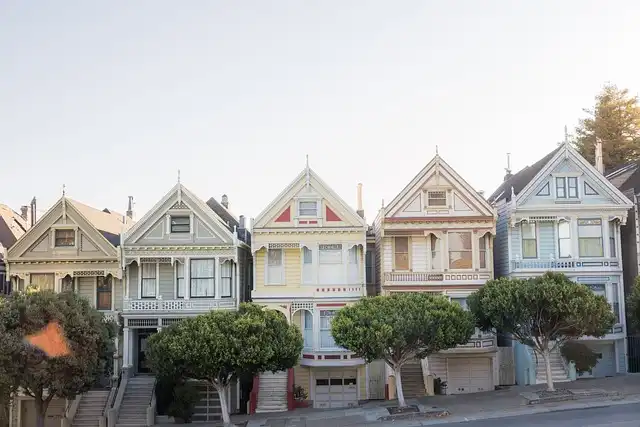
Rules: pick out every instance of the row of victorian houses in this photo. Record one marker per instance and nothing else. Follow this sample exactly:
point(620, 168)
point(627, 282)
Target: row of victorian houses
point(309, 253)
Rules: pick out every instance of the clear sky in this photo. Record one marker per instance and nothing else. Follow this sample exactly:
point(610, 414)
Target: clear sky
point(112, 97)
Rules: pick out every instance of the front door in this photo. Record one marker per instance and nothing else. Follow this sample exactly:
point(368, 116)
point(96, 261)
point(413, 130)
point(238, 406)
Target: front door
point(143, 367)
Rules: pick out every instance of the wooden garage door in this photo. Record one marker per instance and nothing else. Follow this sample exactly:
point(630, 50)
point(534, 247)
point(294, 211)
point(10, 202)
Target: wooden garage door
point(336, 388)
point(55, 412)
point(468, 375)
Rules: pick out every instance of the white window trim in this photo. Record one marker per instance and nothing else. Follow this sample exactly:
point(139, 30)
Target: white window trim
point(314, 263)
point(95, 292)
point(76, 243)
point(522, 239)
point(317, 200)
point(570, 238)
point(604, 231)
point(446, 191)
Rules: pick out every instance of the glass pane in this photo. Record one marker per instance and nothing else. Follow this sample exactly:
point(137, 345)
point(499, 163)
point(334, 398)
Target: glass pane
point(460, 260)
point(529, 249)
point(353, 255)
point(591, 247)
point(402, 244)
point(148, 271)
point(616, 301)
point(202, 268)
point(202, 287)
point(307, 255)
point(308, 208)
point(564, 230)
point(434, 243)
point(42, 281)
point(402, 261)
point(528, 230)
point(330, 256)
point(225, 287)
point(589, 231)
point(181, 288)
point(437, 198)
point(483, 259)
point(148, 287)
point(460, 241)
point(104, 301)
point(482, 243)
point(561, 188)
point(179, 270)
point(275, 256)
point(462, 302)
point(564, 248)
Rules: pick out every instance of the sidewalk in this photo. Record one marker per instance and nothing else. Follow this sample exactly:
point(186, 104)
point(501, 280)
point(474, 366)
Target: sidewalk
point(494, 404)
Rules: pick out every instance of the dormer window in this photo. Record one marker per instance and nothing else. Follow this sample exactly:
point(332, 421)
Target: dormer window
point(180, 224)
point(308, 208)
point(436, 198)
point(65, 238)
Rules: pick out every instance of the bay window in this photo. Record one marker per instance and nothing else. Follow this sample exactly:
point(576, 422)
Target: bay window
point(460, 255)
point(330, 267)
point(202, 278)
point(326, 339)
point(590, 237)
point(401, 253)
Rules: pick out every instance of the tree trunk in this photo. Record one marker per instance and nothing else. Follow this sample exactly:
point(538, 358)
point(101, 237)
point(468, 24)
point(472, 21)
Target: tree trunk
point(399, 392)
point(222, 393)
point(546, 355)
point(41, 411)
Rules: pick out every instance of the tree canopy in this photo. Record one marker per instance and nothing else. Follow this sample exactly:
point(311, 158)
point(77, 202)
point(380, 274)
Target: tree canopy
point(542, 312)
point(221, 345)
point(401, 327)
point(615, 121)
point(88, 337)
point(633, 307)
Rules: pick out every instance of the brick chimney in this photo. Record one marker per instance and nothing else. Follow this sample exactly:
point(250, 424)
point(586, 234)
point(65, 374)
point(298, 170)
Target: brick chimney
point(24, 213)
point(225, 201)
point(32, 217)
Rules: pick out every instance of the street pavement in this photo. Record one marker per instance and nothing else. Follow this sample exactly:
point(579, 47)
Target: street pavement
point(611, 416)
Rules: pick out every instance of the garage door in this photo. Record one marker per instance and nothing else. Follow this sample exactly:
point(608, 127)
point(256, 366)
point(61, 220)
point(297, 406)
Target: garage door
point(336, 389)
point(606, 366)
point(55, 412)
point(468, 375)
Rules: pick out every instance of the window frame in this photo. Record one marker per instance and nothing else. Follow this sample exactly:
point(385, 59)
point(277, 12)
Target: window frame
point(143, 278)
point(178, 278)
point(330, 317)
point(613, 248)
point(229, 277)
point(450, 251)
point(482, 251)
point(100, 292)
point(601, 238)
point(308, 213)
point(434, 251)
point(429, 198)
point(563, 180)
point(561, 239)
point(574, 180)
point(535, 239)
point(280, 265)
point(66, 230)
point(192, 278)
point(396, 253)
point(333, 248)
point(179, 225)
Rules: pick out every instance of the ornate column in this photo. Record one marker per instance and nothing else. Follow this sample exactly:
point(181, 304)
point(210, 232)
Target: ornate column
point(126, 347)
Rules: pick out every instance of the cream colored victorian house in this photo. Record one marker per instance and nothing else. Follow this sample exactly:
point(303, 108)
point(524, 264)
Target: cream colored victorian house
point(436, 236)
point(308, 248)
point(73, 247)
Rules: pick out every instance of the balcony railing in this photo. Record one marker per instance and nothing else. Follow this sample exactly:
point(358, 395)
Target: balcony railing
point(564, 264)
point(177, 305)
point(480, 341)
point(413, 277)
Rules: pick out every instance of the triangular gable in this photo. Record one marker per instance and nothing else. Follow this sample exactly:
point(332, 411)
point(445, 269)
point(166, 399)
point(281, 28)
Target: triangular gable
point(208, 225)
point(335, 209)
point(567, 159)
point(91, 242)
point(437, 170)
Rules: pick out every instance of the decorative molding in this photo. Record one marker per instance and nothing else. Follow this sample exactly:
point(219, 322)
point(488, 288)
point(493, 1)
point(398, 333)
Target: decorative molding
point(179, 205)
point(290, 245)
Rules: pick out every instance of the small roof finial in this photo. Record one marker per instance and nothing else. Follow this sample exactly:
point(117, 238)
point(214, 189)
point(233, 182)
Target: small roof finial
point(508, 168)
point(178, 176)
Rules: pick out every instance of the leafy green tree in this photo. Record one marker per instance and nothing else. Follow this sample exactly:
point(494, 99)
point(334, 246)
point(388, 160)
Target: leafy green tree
point(633, 307)
point(39, 375)
point(542, 312)
point(615, 121)
point(221, 345)
point(401, 327)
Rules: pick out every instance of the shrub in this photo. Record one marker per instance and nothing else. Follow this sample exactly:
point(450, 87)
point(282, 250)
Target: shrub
point(578, 353)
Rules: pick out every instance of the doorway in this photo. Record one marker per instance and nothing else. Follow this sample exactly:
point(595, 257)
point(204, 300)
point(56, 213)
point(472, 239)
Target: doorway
point(143, 336)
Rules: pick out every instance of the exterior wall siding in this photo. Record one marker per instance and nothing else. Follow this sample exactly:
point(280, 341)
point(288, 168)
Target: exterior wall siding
point(438, 367)
point(86, 288)
point(292, 267)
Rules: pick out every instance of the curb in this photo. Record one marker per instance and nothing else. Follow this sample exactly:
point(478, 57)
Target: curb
point(531, 411)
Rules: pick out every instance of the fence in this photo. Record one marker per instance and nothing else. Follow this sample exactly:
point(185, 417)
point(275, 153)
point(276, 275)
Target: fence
point(506, 366)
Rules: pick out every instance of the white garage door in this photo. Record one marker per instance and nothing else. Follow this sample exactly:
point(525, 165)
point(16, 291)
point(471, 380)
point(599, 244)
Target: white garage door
point(468, 375)
point(336, 389)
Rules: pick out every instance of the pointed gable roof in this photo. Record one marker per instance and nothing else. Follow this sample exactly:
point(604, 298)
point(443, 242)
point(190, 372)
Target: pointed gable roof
point(109, 224)
point(12, 226)
point(418, 180)
point(307, 175)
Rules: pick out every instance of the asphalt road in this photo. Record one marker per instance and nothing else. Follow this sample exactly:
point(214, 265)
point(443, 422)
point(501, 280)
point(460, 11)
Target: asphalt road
point(612, 416)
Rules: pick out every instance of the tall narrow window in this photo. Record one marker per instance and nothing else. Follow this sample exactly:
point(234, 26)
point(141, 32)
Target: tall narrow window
point(307, 265)
point(460, 255)
point(482, 249)
point(564, 239)
point(148, 280)
point(616, 301)
point(529, 240)
point(67, 284)
point(561, 188)
point(307, 329)
point(612, 239)
point(369, 260)
point(275, 270)
point(326, 339)
point(354, 270)
point(103, 292)
point(226, 279)
point(572, 185)
point(401, 254)
point(202, 278)
point(436, 263)
point(180, 285)
point(590, 237)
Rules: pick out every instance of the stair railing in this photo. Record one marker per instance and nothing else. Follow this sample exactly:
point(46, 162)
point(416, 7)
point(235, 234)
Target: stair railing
point(151, 409)
point(114, 412)
point(104, 419)
point(70, 411)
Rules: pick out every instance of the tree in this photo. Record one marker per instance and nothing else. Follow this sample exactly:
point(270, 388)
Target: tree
point(45, 377)
point(583, 357)
point(401, 327)
point(221, 345)
point(615, 121)
point(543, 312)
point(633, 307)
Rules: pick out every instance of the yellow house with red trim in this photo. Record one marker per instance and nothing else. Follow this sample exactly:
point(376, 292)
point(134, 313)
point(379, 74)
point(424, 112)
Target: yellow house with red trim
point(309, 249)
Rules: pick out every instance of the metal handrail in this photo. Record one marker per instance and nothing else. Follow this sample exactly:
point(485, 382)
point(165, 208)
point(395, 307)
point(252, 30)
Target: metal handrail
point(151, 409)
point(114, 412)
point(110, 401)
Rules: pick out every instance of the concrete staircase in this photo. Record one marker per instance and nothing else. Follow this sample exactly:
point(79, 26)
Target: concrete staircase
point(412, 380)
point(91, 408)
point(558, 371)
point(133, 412)
point(272, 395)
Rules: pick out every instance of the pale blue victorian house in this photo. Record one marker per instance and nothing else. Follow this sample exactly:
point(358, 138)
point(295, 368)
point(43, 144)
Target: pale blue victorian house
point(562, 214)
